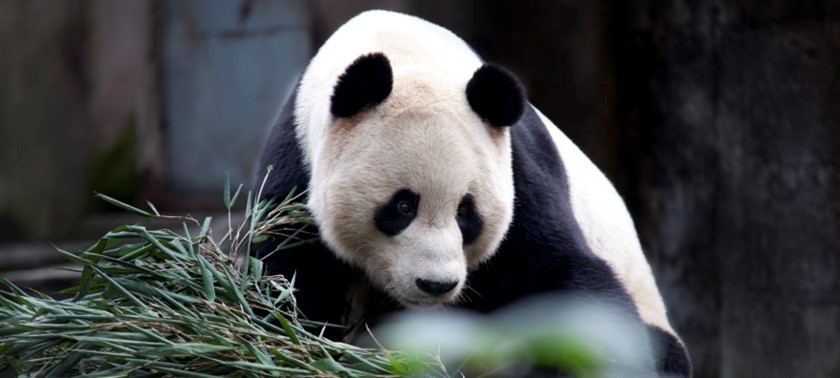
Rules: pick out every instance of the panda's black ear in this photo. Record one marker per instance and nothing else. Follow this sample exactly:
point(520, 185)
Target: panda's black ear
point(364, 84)
point(496, 95)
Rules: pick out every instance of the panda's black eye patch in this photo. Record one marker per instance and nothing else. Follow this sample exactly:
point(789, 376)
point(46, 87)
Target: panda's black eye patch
point(469, 221)
point(394, 216)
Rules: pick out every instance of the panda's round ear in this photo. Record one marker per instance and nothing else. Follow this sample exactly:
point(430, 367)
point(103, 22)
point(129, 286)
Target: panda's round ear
point(364, 84)
point(496, 95)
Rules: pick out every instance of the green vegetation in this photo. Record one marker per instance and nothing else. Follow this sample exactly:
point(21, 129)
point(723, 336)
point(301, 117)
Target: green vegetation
point(187, 304)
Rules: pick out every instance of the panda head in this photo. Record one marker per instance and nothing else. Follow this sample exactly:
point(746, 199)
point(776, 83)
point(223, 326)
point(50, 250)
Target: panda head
point(413, 182)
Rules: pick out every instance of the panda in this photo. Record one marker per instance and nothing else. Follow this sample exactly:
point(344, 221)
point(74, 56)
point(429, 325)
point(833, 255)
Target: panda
point(434, 182)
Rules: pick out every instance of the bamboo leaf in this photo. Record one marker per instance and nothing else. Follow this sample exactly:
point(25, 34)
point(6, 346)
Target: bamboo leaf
point(153, 208)
point(187, 349)
point(84, 283)
point(207, 277)
point(228, 202)
point(154, 302)
point(235, 196)
point(122, 205)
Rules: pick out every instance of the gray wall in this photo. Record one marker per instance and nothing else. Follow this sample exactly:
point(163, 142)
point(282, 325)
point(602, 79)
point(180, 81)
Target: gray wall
point(44, 144)
point(731, 133)
point(226, 67)
point(136, 99)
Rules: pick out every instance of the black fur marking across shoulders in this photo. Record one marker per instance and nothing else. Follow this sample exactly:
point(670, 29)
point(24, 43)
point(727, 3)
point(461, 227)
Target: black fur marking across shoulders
point(283, 153)
point(496, 95)
point(544, 249)
point(364, 84)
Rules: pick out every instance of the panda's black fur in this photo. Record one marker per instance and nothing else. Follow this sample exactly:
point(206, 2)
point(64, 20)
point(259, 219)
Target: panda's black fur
point(544, 250)
point(496, 95)
point(365, 83)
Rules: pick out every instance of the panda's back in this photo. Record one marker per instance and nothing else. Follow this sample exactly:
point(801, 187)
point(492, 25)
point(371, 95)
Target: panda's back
point(608, 228)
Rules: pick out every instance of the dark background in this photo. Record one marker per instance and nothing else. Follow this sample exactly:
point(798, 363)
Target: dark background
point(718, 121)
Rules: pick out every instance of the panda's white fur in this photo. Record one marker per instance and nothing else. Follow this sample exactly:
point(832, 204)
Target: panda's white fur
point(608, 228)
point(421, 52)
point(429, 95)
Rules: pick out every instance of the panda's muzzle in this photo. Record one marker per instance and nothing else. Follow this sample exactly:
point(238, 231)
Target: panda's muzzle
point(434, 287)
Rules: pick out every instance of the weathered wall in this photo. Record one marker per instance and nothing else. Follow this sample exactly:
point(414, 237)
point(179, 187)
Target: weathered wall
point(779, 248)
point(67, 106)
point(730, 121)
point(226, 67)
point(666, 71)
point(43, 119)
point(139, 100)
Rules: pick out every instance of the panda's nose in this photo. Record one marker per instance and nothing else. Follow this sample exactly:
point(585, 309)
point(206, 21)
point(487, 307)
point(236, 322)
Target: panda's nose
point(435, 287)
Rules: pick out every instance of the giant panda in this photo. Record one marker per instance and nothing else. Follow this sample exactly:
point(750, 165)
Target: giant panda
point(433, 182)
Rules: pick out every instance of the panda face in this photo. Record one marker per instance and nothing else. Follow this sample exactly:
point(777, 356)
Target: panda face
point(413, 186)
point(416, 200)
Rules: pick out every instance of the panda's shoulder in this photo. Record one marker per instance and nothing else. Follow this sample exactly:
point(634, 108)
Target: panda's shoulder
point(284, 156)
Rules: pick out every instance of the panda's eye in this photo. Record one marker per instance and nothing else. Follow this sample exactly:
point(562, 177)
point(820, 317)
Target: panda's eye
point(462, 210)
point(398, 213)
point(405, 208)
point(469, 220)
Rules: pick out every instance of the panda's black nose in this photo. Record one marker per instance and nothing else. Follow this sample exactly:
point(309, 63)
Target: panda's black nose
point(435, 287)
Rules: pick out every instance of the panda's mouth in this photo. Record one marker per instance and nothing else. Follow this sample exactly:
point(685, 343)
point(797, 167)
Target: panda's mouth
point(418, 304)
point(423, 302)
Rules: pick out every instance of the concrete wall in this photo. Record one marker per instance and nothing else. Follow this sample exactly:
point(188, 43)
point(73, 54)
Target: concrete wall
point(44, 141)
point(137, 99)
point(731, 140)
point(227, 67)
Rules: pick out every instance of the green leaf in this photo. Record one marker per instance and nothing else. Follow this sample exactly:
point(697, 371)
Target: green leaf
point(260, 355)
point(122, 205)
point(207, 277)
point(73, 257)
point(289, 331)
point(154, 209)
point(228, 202)
point(62, 368)
point(84, 283)
point(329, 365)
point(235, 196)
point(120, 288)
point(187, 349)
point(205, 227)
